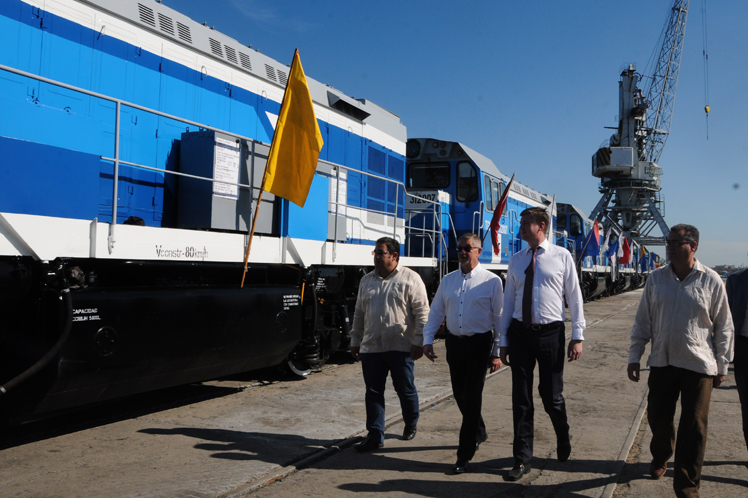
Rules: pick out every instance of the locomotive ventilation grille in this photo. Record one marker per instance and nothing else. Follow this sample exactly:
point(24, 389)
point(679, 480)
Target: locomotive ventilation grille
point(166, 25)
point(146, 15)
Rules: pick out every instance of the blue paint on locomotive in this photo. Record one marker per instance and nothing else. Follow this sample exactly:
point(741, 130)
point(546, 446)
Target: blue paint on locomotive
point(63, 133)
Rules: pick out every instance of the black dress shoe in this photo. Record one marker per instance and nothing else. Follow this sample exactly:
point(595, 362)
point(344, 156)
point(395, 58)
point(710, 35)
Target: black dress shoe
point(563, 450)
point(367, 444)
point(409, 433)
point(518, 471)
point(461, 466)
point(479, 440)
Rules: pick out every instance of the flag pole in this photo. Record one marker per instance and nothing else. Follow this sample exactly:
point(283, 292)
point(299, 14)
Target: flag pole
point(252, 233)
point(262, 187)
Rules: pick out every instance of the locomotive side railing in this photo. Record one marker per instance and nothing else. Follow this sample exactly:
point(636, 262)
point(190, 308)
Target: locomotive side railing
point(117, 161)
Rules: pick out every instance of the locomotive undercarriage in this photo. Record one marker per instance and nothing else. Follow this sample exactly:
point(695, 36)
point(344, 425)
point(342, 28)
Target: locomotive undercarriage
point(135, 326)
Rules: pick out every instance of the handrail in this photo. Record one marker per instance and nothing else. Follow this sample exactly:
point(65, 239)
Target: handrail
point(479, 212)
point(117, 161)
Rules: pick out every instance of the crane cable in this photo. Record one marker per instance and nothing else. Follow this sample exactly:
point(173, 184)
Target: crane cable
point(705, 52)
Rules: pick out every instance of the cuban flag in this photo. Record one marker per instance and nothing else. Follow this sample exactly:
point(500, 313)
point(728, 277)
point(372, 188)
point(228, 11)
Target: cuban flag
point(626, 252)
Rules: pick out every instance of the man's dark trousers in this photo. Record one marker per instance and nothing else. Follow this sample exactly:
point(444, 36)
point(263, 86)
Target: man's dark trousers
point(546, 348)
point(375, 367)
point(666, 384)
point(467, 357)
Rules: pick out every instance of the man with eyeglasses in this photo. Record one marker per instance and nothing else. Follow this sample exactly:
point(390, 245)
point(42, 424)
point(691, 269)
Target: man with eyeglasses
point(538, 279)
point(685, 314)
point(470, 300)
point(387, 336)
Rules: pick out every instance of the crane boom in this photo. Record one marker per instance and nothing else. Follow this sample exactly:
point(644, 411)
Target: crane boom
point(627, 164)
point(661, 91)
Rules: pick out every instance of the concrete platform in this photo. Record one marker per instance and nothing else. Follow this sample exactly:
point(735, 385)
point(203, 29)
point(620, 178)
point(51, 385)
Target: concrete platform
point(293, 439)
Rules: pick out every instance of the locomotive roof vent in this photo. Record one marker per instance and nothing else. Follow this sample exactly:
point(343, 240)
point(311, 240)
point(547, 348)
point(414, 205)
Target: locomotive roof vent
point(270, 72)
point(166, 24)
point(146, 15)
point(184, 32)
point(215, 47)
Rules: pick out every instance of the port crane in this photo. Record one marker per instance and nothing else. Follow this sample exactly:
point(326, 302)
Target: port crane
point(627, 163)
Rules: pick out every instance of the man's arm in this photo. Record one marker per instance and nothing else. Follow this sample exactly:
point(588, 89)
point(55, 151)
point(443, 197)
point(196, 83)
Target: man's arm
point(437, 313)
point(641, 333)
point(723, 335)
point(357, 329)
point(574, 299)
point(497, 305)
point(419, 310)
point(510, 292)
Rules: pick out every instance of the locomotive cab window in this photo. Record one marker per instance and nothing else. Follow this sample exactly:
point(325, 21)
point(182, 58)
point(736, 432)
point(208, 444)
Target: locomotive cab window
point(428, 175)
point(496, 189)
point(492, 189)
point(575, 230)
point(561, 222)
point(467, 183)
point(490, 201)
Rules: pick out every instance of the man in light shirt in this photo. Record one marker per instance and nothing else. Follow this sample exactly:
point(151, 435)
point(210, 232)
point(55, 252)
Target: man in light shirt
point(684, 313)
point(737, 296)
point(470, 300)
point(387, 336)
point(533, 331)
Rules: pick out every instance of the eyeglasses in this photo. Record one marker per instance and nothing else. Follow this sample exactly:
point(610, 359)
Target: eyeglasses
point(465, 248)
point(379, 252)
point(671, 243)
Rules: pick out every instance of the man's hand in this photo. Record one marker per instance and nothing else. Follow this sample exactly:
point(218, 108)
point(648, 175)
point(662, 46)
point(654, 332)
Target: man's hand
point(495, 364)
point(502, 355)
point(574, 351)
point(719, 379)
point(633, 371)
point(428, 352)
point(415, 352)
point(354, 352)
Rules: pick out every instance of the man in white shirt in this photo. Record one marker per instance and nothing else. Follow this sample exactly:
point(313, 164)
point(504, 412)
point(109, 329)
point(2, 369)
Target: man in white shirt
point(533, 331)
point(685, 314)
point(470, 300)
point(387, 336)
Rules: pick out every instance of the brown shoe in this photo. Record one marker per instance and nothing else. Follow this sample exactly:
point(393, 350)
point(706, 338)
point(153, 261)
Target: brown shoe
point(657, 470)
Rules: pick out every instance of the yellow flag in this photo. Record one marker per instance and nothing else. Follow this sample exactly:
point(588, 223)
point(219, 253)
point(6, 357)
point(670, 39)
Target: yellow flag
point(297, 141)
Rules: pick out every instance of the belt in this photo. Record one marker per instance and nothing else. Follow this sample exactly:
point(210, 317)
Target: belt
point(466, 336)
point(539, 327)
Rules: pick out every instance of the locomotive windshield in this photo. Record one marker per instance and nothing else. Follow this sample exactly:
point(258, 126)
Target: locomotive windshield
point(428, 175)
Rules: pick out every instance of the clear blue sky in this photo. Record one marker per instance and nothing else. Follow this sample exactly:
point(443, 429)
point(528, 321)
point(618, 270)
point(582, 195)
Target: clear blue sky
point(530, 85)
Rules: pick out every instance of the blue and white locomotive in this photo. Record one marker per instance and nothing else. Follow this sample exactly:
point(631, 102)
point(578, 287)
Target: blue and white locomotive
point(130, 100)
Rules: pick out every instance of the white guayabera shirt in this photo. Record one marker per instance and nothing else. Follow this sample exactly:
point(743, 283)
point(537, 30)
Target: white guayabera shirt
point(688, 322)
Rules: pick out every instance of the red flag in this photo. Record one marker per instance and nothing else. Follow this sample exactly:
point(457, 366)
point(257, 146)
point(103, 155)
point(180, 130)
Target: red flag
point(495, 221)
point(626, 252)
